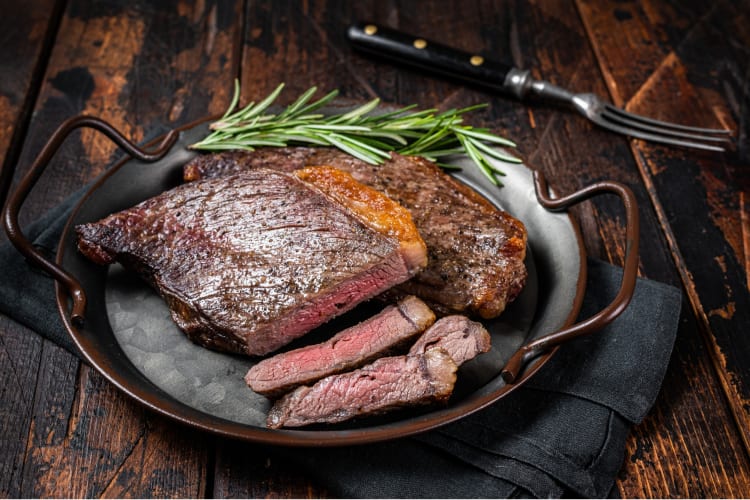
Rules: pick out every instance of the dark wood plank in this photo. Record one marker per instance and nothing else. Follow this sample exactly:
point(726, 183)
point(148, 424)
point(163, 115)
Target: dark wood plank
point(146, 68)
point(174, 63)
point(304, 44)
point(20, 354)
point(692, 78)
point(26, 29)
point(88, 440)
point(686, 448)
point(249, 471)
point(680, 409)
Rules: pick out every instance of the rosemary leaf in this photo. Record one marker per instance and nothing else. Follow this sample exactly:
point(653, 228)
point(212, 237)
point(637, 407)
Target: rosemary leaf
point(478, 159)
point(317, 104)
point(299, 103)
point(495, 153)
point(486, 136)
point(235, 99)
point(357, 113)
point(353, 149)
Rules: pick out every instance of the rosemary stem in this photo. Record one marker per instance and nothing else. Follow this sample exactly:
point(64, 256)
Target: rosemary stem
point(361, 132)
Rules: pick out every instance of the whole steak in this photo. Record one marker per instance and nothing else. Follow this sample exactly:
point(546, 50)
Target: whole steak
point(249, 262)
point(476, 251)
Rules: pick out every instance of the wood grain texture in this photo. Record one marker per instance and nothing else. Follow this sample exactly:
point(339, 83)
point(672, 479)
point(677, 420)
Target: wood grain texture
point(686, 447)
point(25, 30)
point(244, 470)
point(20, 354)
point(697, 81)
point(571, 161)
point(145, 68)
point(28, 35)
point(88, 440)
point(148, 66)
point(175, 62)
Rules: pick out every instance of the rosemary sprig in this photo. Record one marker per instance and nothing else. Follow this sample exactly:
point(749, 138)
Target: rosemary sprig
point(360, 132)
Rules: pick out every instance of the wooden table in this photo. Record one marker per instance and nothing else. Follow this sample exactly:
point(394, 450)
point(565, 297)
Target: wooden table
point(150, 66)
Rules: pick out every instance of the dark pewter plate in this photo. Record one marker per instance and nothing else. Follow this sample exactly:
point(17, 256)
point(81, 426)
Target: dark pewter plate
point(129, 337)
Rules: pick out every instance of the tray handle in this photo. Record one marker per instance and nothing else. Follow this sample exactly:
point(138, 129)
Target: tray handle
point(604, 317)
point(17, 198)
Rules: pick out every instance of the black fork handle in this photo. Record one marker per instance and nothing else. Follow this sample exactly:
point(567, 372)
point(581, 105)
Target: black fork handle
point(17, 198)
point(431, 56)
point(630, 272)
point(436, 58)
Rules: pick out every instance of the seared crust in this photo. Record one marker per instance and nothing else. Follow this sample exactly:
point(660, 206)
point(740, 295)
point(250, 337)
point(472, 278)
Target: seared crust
point(372, 207)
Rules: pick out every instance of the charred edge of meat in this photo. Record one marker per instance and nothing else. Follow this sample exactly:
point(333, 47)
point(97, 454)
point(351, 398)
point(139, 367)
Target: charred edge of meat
point(372, 207)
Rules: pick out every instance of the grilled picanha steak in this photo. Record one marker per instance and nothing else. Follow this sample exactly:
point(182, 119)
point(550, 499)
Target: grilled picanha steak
point(461, 337)
point(249, 262)
point(380, 335)
point(386, 384)
point(476, 252)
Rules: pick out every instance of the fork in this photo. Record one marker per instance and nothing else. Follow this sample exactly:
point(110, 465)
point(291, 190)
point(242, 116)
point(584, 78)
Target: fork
point(474, 68)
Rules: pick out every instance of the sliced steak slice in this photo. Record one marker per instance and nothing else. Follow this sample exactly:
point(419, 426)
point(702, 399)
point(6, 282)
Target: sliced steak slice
point(358, 345)
point(476, 251)
point(386, 384)
point(249, 262)
point(461, 337)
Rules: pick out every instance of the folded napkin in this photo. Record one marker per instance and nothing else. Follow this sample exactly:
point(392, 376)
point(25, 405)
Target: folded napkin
point(562, 434)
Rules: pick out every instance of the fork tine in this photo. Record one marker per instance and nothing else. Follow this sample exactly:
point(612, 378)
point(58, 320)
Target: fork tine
point(630, 131)
point(674, 129)
point(617, 120)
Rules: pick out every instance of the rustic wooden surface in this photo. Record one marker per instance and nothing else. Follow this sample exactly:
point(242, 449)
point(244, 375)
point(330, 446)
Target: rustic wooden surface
point(150, 66)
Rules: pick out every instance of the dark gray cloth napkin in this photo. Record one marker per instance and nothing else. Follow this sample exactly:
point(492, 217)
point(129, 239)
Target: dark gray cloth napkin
point(561, 434)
